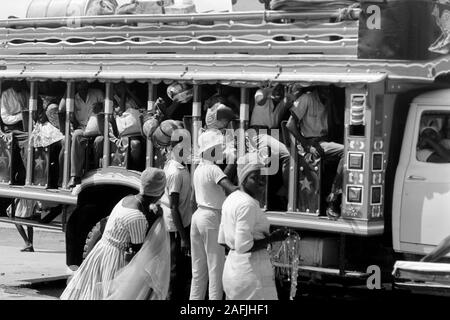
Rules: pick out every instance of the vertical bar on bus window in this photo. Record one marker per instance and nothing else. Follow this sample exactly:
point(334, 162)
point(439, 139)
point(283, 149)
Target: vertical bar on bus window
point(293, 175)
point(244, 117)
point(108, 113)
point(150, 108)
point(196, 118)
point(70, 106)
point(32, 108)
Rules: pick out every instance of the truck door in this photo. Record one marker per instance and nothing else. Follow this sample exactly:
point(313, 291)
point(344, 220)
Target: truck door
point(425, 201)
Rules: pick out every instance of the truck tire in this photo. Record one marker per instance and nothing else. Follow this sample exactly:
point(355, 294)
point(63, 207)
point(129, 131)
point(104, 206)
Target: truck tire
point(94, 236)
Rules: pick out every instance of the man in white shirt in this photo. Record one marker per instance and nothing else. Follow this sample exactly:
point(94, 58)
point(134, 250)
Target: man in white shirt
point(13, 101)
point(84, 100)
point(211, 187)
point(176, 205)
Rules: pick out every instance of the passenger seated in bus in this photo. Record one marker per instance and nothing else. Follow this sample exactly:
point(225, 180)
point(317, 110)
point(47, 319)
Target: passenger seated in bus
point(271, 105)
point(181, 95)
point(271, 149)
point(84, 100)
point(127, 124)
point(14, 100)
point(432, 147)
point(308, 123)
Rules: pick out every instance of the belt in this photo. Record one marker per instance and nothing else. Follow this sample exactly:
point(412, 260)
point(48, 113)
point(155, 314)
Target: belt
point(210, 209)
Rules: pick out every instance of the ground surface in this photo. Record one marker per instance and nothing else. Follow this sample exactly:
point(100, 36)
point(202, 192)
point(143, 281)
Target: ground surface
point(38, 275)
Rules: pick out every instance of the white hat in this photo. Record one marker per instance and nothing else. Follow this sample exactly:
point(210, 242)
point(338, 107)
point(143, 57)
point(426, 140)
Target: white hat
point(209, 139)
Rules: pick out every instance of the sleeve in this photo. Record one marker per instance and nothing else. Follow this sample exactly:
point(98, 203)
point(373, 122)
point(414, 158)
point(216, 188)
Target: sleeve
point(217, 174)
point(4, 112)
point(245, 222)
point(137, 226)
point(174, 182)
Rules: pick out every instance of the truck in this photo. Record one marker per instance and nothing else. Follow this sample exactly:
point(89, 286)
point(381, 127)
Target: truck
point(385, 63)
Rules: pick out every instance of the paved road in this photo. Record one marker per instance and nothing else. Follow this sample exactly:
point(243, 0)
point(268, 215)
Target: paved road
point(23, 274)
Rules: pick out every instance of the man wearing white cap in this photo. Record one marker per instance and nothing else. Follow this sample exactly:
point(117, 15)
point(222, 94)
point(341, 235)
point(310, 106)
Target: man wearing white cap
point(211, 186)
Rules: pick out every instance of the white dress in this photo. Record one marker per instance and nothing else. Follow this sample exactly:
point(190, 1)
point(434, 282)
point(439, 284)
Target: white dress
point(92, 280)
point(246, 275)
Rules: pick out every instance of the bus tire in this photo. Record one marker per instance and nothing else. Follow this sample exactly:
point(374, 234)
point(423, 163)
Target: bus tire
point(94, 236)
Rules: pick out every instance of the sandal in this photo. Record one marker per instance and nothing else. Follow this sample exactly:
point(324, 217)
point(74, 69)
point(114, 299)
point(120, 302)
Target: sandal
point(28, 249)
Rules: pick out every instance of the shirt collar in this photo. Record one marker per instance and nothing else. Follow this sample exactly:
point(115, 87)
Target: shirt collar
point(177, 164)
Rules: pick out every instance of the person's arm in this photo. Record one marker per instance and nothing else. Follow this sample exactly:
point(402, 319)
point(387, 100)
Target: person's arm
point(291, 125)
point(62, 104)
point(443, 155)
point(227, 186)
point(277, 235)
point(174, 200)
point(439, 252)
point(245, 222)
point(137, 229)
point(231, 171)
point(171, 109)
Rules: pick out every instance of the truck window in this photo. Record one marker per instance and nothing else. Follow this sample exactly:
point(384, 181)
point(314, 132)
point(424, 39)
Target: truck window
point(434, 141)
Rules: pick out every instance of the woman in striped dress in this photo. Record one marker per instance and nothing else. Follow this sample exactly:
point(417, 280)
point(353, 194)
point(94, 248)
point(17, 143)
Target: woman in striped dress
point(126, 229)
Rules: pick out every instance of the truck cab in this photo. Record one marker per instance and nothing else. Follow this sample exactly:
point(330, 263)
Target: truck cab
point(421, 213)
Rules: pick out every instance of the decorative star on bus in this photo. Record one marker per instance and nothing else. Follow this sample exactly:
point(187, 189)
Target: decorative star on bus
point(39, 163)
point(306, 184)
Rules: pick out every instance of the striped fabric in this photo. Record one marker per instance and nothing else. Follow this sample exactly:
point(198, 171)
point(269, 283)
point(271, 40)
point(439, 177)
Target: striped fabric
point(93, 279)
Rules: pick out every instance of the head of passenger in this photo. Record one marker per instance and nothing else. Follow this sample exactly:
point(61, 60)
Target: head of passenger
point(277, 94)
point(250, 175)
point(211, 146)
point(153, 183)
point(219, 116)
point(82, 88)
point(428, 133)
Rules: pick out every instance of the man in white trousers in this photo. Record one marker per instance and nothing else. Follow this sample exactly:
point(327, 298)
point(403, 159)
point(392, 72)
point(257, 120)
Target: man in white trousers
point(211, 187)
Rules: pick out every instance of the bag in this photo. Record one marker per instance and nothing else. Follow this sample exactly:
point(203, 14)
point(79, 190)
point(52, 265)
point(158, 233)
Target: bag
point(129, 124)
point(92, 127)
point(45, 134)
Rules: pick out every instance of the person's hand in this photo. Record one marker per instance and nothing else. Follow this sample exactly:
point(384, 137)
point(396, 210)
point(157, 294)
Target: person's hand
point(314, 151)
point(185, 246)
point(278, 235)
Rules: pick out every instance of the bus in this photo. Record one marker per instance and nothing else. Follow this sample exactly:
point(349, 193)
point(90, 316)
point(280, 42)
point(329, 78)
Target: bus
point(386, 70)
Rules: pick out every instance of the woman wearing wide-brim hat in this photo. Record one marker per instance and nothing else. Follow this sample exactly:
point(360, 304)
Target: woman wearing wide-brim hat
point(125, 232)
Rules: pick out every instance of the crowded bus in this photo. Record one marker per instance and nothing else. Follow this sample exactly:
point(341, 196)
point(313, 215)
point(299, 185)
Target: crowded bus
point(347, 105)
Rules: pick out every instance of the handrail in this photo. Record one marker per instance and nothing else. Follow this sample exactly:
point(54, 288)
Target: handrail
point(170, 18)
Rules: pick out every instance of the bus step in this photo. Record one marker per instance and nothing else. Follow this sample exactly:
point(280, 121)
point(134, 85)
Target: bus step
point(33, 223)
